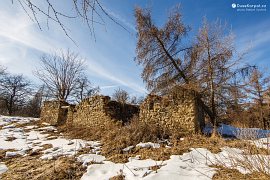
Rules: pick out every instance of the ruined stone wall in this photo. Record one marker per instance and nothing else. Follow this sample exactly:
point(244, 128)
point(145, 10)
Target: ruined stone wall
point(54, 112)
point(177, 112)
point(99, 111)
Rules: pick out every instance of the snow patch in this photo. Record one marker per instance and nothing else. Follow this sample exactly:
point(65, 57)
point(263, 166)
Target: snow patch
point(148, 145)
point(3, 168)
point(177, 167)
point(34, 139)
point(93, 158)
point(127, 149)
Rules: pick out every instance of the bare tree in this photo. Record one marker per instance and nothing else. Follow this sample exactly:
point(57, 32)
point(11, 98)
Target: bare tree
point(214, 52)
point(160, 50)
point(33, 107)
point(14, 92)
point(121, 96)
point(2, 71)
point(136, 100)
point(133, 100)
point(61, 73)
point(258, 86)
point(84, 89)
point(92, 12)
point(259, 83)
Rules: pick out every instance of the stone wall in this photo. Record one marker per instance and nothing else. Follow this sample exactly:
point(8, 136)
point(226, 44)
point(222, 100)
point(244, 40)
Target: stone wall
point(177, 112)
point(54, 112)
point(100, 110)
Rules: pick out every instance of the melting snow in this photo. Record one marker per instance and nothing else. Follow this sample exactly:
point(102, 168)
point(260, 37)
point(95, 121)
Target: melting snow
point(90, 158)
point(3, 168)
point(186, 166)
point(34, 139)
point(148, 145)
point(128, 148)
point(192, 165)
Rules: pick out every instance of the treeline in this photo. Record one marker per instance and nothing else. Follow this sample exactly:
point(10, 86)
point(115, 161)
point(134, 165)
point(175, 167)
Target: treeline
point(18, 96)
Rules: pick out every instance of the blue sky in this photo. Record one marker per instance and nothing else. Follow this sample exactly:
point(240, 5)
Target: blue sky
point(110, 59)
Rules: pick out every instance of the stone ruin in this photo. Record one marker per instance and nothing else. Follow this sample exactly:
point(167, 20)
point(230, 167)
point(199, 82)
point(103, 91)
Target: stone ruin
point(178, 111)
point(94, 111)
point(54, 112)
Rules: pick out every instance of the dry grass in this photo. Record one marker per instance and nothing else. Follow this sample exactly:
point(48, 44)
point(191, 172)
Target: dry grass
point(118, 177)
point(11, 138)
point(233, 174)
point(31, 123)
point(34, 168)
point(3, 153)
point(115, 138)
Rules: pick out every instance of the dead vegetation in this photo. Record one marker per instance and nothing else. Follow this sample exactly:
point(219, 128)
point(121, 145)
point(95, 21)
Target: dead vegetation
point(10, 138)
point(3, 153)
point(118, 177)
point(115, 138)
point(223, 173)
point(30, 167)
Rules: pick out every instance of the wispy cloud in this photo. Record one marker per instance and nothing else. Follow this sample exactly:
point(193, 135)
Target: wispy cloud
point(108, 86)
point(124, 81)
point(255, 41)
point(120, 19)
point(20, 36)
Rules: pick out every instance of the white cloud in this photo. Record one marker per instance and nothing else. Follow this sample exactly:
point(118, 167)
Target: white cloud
point(254, 36)
point(96, 68)
point(108, 86)
point(20, 36)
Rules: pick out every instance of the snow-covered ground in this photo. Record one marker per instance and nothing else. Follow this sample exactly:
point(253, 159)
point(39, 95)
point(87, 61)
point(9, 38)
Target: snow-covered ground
point(20, 141)
point(193, 165)
point(196, 164)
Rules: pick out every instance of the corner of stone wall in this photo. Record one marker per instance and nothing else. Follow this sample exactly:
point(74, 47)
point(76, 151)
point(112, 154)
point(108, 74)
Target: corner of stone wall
point(53, 113)
point(175, 112)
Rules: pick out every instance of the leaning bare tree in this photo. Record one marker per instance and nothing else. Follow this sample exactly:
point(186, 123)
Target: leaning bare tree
point(162, 53)
point(61, 73)
point(14, 92)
